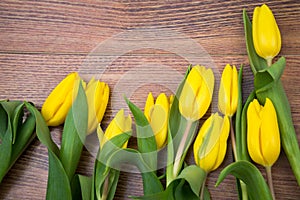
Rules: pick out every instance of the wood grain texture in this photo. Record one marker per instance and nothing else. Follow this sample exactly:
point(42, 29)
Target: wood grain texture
point(42, 41)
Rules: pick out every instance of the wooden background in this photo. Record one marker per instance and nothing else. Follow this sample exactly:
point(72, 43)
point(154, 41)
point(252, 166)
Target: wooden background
point(42, 41)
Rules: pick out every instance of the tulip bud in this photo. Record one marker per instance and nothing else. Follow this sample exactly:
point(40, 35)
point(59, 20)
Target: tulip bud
point(211, 142)
point(228, 92)
point(120, 124)
point(157, 115)
point(263, 138)
point(58, 103)
point(265, 32)
point(97, 94)
point(196, 94)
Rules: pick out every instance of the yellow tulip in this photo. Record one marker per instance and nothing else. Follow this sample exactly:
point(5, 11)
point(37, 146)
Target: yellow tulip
point(211, 143)
point(266, 34)
point(228, 92)
point(196, 94)
point(58, 103)
point(97, 94)
point(263, 138)
point(158, 114)
point(120, 124)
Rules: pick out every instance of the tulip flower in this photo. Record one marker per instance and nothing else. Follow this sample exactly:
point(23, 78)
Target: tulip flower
point(157, 115)
point(263, 138)
point(196, 94)
point(266, 34)
point(120, 124)
point(228, 92)
point(211, 143)
point(58, 103)
point(97, 94)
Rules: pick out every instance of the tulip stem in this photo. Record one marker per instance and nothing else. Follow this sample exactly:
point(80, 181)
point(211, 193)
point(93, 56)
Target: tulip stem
point(270, 181)
point(105, 188)
point(203, 188)
point(269, 61)
point(232, 136)
point(181, 148)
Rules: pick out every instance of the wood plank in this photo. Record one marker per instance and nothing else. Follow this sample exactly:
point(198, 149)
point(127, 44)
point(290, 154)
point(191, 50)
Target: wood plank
point(29, 174)
point(78, 27)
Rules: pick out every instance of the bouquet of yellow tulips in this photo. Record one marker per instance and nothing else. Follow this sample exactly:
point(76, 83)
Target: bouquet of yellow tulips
point(257, 129)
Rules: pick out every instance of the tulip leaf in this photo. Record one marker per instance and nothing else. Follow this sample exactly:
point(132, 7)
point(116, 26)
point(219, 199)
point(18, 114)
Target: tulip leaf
point(74, 133)
point(256, 62)
point(145, 136)
point(257, 188)
point(42, 130)
point(3, 122)
point(241, 121)
point(5, 154)
point(81, 187)
point(151, 183)
point(266, 78)
point(181, 188)
point(102, 167)
point(58, 182)
point(25, 135)
point(17, 120)
point(195, 176)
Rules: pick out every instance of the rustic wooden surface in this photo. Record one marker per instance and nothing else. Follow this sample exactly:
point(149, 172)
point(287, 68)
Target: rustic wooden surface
point(42, 41)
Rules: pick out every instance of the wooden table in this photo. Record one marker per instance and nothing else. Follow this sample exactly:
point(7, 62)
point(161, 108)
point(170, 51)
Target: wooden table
point(42, 41)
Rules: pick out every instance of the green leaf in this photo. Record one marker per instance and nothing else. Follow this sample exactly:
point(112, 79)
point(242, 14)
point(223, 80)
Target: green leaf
point(145, 136)
point(102, 166)
point(151, 183)
point(195, 176)
point(81, 187)
point(17, 120)
point(243, 151)
point(3, 122)
point(5, 154)
point(42, 130)
point(265, 79)
point(113, 182)
point(74, 133)
point(251, 176)
point(58, 182)
point(257, 63)
point(24, 136)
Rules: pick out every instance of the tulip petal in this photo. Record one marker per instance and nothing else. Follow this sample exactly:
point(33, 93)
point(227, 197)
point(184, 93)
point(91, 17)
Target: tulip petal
point(253, 133)
point(270, 136)
point(148, 106)
point(61, 95)
point(266, 34)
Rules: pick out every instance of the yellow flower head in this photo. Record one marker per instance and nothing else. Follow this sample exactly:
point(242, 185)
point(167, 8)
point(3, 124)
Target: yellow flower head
point(266, 34)
point(196, 94)
point(97, 94)
point(58, 103)
point(120, 124)
point(157, 115)
point(228, 92)
point(263, 138)
point(211, 143)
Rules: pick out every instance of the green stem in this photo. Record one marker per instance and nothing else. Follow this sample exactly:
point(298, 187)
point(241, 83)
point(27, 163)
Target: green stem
point(203, 188)
point(244, 190)
point(233, 139)
point(181, 149)
point(105, 188)
point(269, 61)
point(270, 181)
